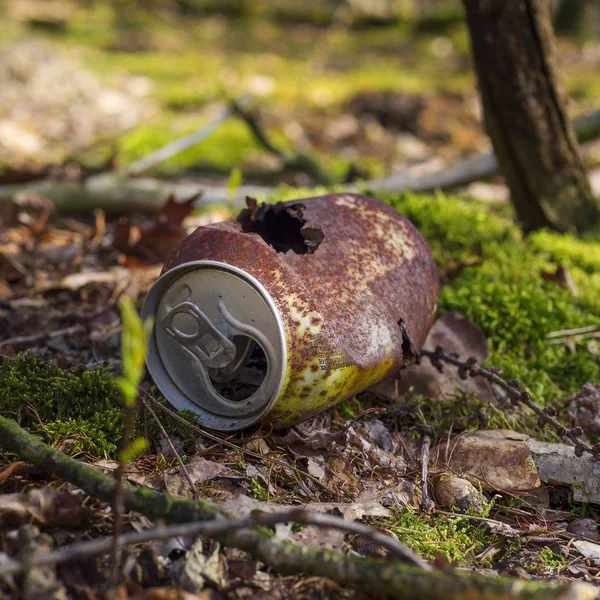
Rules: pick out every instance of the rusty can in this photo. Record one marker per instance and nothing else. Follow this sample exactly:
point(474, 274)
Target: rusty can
point(292, 308)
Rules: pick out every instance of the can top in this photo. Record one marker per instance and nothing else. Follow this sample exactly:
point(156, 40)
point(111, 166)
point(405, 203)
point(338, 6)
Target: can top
point(218, 346)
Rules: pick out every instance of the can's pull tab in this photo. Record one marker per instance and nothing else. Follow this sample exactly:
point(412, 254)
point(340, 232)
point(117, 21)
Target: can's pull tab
point(193, 329)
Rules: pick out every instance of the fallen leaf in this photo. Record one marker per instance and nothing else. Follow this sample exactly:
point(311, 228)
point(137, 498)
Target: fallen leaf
point(311, 445)
point(590, 550)
point(316, 467)
point(379, 433)
point(454, 333)
point(46, 506)
point(203, 562)
point(149, 241)
point(200, 469)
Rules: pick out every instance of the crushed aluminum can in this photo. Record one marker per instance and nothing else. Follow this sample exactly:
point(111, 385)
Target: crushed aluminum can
point(292, 308)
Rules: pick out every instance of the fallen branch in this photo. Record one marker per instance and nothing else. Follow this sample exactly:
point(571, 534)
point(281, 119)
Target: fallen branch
point(546, 415)
point(117, 194)
point(376, 576)
point(83, 550)
point(298, 162)
point(587, 128)
point(174, 148)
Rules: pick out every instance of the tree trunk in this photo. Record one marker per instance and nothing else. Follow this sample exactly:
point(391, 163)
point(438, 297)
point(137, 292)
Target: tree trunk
point(525, 116)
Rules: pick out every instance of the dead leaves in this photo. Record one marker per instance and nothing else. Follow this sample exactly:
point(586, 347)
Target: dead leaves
point(456, 334)
point(45, 506)
point(149, 241)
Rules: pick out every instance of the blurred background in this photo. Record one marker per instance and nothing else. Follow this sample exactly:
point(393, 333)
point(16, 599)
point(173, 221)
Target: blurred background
point(363, 87)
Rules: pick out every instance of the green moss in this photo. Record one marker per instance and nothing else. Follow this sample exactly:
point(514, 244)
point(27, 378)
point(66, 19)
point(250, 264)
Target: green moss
point(552, 561)
point(494, 276)
point(455, 538)
point(83, 406)
point(258, 489)
point(80, 411)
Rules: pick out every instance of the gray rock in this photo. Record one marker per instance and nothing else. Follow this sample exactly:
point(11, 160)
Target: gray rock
point(557, 464)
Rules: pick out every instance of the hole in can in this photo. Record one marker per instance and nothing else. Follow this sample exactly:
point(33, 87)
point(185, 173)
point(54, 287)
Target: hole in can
point(282, 226)
point(245, 374)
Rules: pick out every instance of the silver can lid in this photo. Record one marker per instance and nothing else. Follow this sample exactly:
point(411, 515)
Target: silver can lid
point(218, 346)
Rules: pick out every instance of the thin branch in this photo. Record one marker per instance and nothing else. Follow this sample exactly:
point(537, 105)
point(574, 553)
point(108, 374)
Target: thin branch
point(426, 503)
point(88, 549)
point(297, 161)
point(181, 144)
point(474, 168)
point(183, 468)
point(376, 576)
point(546, 415)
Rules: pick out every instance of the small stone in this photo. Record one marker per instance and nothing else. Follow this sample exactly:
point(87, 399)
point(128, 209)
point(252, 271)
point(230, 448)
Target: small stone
point(456, 492)
point(497, 459)
point(587, 528)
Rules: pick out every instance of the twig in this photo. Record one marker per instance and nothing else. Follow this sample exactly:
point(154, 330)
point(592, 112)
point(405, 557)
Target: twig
point(473, 168)
point(426, 503)
point(35, 338)
point(377, 576)
point(83, 550)
point(567, 332)
point(184, 470)
point(174, 148)
point(298, 161)
point(546, 415)
point(575, 338)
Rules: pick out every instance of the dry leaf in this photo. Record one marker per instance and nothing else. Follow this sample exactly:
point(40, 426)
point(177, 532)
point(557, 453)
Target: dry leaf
point(200, 469)
point(150, 241)
point(456, 334)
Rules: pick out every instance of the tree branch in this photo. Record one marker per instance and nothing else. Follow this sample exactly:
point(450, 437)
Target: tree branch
point(376, 576)
point(546, 415)
point(474, 168)
point(104, 545)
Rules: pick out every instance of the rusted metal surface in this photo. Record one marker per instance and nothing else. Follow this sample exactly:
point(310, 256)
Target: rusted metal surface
point(353, 281)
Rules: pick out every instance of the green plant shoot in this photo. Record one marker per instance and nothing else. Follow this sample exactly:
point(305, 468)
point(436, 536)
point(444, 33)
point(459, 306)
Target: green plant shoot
point(134, 343)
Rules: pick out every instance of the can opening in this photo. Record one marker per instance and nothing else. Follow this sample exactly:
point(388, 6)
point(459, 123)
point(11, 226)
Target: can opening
point(282, 226)
point(246, 373)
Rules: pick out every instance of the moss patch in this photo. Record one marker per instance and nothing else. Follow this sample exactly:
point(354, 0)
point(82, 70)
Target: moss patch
point(83, 406)
point(496, 280)
point(457, 539)
point(79, 410)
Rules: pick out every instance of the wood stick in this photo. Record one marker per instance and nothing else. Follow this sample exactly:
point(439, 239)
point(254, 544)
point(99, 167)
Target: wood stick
point(376, 576)
point(83, 550)
point(181, 144)
point(116, 194)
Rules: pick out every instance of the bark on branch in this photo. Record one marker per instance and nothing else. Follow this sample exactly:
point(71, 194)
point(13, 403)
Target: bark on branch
point(376, 576)
point(117, 194)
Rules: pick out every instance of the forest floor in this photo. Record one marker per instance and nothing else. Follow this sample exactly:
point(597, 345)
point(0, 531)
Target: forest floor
point(362, 102)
